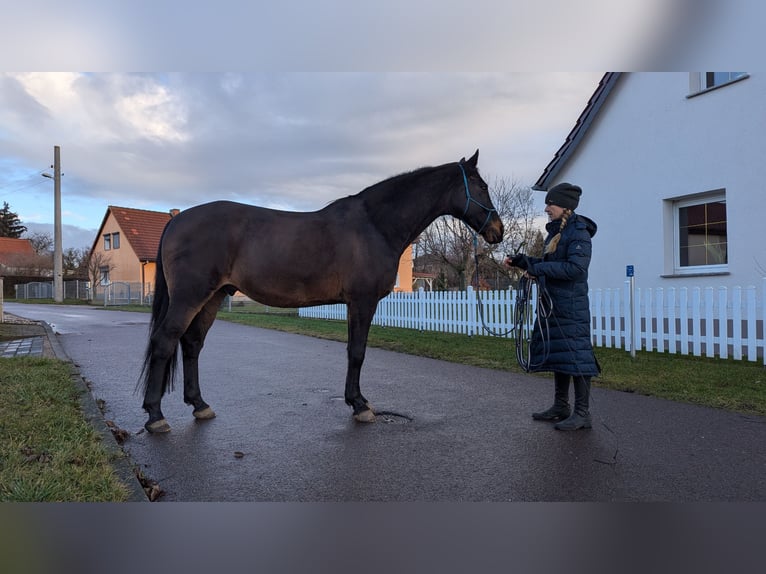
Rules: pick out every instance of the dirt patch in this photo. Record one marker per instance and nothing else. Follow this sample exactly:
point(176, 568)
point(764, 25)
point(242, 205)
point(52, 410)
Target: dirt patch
point(11, 328)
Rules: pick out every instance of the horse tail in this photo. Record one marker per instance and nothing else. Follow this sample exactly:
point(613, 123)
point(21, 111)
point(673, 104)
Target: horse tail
point(160, 305)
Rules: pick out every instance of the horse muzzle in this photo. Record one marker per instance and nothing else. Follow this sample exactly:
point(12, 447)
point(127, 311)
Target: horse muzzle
point(493, 231)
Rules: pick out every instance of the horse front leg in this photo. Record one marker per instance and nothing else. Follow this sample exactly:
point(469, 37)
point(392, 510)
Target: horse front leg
point(359, 320)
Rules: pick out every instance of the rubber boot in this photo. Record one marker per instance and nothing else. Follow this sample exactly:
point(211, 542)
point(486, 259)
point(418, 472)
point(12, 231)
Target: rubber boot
point(560, 409)
point(580, 418)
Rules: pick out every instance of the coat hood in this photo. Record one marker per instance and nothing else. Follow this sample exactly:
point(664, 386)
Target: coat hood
point(575, 219)
point(590, 225)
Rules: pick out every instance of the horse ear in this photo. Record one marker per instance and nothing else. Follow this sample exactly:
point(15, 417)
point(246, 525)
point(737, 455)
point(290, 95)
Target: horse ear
point(474, 159)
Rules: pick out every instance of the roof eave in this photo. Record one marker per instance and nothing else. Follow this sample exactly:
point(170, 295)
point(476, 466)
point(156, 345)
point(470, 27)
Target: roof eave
point(578, 132)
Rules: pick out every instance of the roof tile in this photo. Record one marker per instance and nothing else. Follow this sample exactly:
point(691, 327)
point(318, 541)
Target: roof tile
point(11, 248)
point(144, 228)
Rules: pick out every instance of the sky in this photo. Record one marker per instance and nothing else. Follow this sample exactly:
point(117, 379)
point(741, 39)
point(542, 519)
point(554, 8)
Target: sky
point(293, 141)
point(337, 95)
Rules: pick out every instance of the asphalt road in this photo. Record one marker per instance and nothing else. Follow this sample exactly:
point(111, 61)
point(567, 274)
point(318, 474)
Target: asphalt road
point(447, 433)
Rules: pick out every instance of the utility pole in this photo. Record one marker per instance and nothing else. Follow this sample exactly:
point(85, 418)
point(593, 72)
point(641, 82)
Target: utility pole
point(58, 258)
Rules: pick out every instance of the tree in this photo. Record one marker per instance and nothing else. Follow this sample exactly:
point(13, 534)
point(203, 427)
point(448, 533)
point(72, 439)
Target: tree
point(448, 245)
point(75, 261)
point(447, 249)
point(42, 243)
point(99, 265)
point(10, 224)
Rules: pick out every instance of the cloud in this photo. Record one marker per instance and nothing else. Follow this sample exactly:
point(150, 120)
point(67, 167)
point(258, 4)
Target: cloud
point(286, 140)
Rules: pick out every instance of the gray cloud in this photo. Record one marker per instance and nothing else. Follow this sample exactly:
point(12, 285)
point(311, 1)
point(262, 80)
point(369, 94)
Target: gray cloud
point(286, 140)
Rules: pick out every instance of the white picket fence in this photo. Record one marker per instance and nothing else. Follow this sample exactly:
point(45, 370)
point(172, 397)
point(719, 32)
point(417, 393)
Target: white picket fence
point(722, 322)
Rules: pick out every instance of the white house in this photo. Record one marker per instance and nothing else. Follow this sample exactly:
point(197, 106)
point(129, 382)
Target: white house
point(673, 171)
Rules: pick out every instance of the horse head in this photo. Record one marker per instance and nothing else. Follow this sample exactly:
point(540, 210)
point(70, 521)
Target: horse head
point(478, 211)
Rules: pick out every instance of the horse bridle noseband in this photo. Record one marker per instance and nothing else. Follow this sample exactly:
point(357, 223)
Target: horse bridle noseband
point(469, 200)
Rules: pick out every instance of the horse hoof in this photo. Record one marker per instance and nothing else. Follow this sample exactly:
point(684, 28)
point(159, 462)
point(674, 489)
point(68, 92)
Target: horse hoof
point(365, 416)
point(157, 426)
point(204, 414)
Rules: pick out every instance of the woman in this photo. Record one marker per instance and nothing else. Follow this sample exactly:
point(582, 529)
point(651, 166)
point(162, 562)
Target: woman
point(563, 272)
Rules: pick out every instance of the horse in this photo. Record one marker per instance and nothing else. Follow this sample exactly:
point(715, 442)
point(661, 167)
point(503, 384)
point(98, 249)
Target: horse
point(347, 252)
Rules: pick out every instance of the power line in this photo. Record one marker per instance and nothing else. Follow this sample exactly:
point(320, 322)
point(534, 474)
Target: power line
point(32, 179)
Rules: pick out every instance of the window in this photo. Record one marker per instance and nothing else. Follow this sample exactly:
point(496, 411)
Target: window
point(104, 275)
point(107, 242)
point(701, 82)
point(700, 234)
point(713, 79)
point(115, 240)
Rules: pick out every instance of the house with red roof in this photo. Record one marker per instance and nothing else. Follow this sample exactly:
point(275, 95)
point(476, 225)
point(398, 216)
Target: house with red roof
point(126, 245)
point(15, 254)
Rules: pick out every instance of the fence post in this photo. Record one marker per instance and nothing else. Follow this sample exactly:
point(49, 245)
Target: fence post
point(696, 323)
point(629, 272)
point(1, 300)
point(723, 323)
point(471, 296)
point(421, 309)
point(709, 322)
point(736, 315)
point(752, 354)
point(660, 322)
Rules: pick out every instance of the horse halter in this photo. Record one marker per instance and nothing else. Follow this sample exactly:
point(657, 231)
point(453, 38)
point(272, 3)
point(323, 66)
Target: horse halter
point(469, 200)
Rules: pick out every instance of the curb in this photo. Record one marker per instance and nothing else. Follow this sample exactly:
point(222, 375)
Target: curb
point(119, 458)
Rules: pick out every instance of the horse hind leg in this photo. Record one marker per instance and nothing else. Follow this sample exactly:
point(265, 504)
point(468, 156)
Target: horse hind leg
point(192, 342)
point(160, 373)
point(162, 364)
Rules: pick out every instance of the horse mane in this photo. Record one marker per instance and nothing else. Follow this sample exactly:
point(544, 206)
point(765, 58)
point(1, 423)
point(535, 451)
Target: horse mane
point(382, 185)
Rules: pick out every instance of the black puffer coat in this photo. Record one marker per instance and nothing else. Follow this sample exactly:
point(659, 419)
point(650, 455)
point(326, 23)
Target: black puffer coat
point(564, 273)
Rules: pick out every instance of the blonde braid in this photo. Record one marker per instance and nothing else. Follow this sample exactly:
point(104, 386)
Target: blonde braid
point(554, 243)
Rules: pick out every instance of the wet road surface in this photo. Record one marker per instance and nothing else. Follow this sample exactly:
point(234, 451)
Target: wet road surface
point(451, 432)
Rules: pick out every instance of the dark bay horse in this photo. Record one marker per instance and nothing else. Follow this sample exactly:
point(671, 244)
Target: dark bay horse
point(347, 252)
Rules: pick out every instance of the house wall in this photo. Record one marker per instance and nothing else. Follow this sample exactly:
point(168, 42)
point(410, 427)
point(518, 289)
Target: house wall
point(649, 144)
point(150, 269)
point(404, 275)
point(124, 262)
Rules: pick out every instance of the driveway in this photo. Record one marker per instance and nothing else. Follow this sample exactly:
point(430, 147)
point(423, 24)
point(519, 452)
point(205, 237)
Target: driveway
point(448, 432)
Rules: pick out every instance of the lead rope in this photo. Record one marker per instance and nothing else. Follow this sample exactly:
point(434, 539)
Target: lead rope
point(490, 210)
point(478, 296)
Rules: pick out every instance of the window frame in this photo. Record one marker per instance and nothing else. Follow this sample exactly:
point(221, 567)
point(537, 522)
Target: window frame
point(107, 241)
point(698, 82)
point(116, 240)
point(679, 203)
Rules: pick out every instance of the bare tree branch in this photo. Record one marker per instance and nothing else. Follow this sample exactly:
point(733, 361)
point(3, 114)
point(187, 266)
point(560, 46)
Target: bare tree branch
point(447, 245)
point(98, 262)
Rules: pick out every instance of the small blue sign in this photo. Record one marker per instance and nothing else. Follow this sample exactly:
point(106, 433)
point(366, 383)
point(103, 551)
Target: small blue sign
point(629, 271)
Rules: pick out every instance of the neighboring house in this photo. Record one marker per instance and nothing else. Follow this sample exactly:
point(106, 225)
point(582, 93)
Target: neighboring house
point(15, 256)
point(128, 240)
point(404, 274)
point(672, 171)
point(127, 243)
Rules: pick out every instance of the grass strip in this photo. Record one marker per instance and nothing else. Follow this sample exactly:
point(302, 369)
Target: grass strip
point(48, 451)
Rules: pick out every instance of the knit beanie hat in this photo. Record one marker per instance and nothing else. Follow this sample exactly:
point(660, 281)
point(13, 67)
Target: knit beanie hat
point(564, 195)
